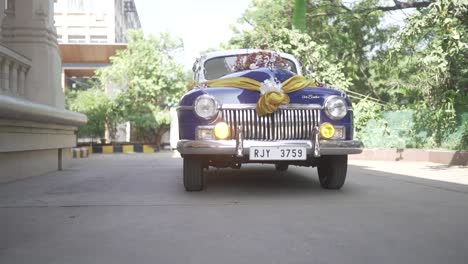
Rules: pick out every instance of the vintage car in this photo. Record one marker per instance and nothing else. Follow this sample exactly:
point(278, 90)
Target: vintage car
point(254, 106)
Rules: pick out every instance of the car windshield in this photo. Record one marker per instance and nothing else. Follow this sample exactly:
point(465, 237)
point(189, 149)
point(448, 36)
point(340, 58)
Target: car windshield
point(218, 67)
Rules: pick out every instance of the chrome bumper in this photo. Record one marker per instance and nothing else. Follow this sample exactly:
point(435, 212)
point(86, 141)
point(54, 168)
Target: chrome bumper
point(242, 147)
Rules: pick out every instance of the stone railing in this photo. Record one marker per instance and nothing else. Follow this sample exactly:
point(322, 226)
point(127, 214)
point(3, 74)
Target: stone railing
point(13, 72)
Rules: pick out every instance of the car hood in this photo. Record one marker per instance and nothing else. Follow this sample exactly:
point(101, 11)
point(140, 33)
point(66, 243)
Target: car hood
point(234, 95)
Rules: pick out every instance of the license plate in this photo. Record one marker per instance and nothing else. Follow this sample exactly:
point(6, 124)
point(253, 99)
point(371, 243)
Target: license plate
point(278, 153)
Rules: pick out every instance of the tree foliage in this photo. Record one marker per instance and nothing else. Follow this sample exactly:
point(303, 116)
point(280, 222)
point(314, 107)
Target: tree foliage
point(97, 106)
point(421, 66)
point(153, 81)
point(435, 41)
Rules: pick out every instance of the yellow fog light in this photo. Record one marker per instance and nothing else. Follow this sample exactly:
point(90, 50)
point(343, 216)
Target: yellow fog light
point(221, 130)
point(327, 130)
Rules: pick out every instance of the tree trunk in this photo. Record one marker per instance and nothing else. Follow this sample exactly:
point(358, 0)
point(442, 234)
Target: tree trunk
point(158, 133)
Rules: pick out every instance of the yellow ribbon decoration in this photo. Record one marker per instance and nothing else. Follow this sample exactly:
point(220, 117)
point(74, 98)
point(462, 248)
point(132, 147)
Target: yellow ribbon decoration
point(268, 102)
point(238, 82)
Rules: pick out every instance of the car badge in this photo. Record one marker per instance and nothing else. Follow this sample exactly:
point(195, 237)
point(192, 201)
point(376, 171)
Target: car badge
point(310, 97)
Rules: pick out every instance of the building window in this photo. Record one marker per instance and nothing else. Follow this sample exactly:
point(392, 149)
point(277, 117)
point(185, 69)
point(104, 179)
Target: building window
point(76, 39)
point(59, 38)
point(76, 28)
point(99, 39)
point(60, 6)
point(79, 6)
point(99, 17)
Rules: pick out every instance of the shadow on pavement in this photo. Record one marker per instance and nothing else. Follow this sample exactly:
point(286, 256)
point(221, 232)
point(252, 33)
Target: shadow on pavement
point(264, 178)
point(265, 181)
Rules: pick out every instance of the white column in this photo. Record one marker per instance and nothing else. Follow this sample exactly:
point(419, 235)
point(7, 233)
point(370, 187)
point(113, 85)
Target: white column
point(6, 74)
point(2, 12)
point(14, 78)
point(62, 80)
point(21, 80)
point(2, 88)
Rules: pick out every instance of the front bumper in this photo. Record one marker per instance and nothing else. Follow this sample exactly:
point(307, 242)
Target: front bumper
point(242, 148)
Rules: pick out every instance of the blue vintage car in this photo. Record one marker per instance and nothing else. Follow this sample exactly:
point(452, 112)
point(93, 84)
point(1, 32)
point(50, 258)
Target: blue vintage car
point(254, 106)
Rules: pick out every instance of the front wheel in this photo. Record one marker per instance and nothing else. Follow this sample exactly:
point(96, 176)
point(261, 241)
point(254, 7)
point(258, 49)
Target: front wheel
point(332, 171)
point(193, 173)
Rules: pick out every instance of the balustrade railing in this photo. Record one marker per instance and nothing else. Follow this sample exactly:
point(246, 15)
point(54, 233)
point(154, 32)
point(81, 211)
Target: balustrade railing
point(14, 68)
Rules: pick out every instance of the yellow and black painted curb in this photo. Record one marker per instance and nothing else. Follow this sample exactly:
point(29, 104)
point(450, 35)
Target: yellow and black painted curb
point(108, 149)
point(81, 152)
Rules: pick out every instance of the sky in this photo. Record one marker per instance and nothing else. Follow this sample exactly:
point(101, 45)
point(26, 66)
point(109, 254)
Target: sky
point(201, 24)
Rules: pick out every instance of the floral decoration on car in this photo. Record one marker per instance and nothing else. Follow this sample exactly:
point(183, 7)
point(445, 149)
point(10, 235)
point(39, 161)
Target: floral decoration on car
point(258, 60)
point(271, 85)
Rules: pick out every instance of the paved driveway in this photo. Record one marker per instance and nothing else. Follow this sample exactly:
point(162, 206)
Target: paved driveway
point(133, 209)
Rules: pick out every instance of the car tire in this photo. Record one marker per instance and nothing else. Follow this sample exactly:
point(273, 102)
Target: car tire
point(193, 173)
point(281, 167)
point(332, 171)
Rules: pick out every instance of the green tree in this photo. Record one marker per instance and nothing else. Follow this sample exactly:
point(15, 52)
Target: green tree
point(420, 66)
point(434, 50)
point(435, 43)
point(338, 38)
point(153, 79)
point(97, 106)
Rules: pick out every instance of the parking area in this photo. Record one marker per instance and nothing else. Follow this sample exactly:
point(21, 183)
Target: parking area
point(132, 208)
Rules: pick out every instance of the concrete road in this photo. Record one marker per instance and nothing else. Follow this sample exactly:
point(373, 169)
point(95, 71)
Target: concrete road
point(133, 209)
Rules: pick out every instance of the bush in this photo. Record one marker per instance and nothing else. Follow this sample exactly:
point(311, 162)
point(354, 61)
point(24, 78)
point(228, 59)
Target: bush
point(389, 130)
point(458, 140)
point(95, 104)
point(414, 127)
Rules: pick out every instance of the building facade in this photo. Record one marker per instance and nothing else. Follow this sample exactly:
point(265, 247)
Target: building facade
point(95, 21)
point(89, 32)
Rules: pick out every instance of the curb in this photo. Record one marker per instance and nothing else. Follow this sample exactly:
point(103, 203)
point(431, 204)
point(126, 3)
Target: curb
point(451, 158)
point(455, 158)
point(82, 152)
point(110, 149)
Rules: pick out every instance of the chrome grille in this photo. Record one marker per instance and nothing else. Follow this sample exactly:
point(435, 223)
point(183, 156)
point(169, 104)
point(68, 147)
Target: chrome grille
point(284, 124)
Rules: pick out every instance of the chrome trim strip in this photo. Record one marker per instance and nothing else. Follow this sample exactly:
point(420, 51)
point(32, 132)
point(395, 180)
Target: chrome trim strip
point(184, 107)
point(228, 147)
point(283, 124)
point(288, 106)
point(316, 141)
point(239, 143)
point(253, 106)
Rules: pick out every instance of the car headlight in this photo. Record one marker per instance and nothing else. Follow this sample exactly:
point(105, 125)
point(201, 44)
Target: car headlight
point(336, 107)
point(206, 106)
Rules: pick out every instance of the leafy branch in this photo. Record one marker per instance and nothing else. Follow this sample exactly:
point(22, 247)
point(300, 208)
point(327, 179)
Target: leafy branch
point(398, 5)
